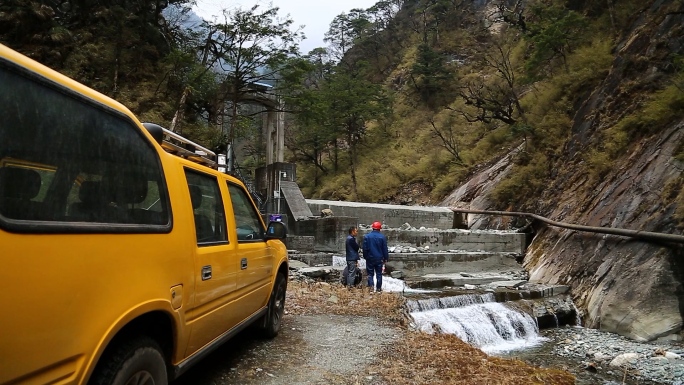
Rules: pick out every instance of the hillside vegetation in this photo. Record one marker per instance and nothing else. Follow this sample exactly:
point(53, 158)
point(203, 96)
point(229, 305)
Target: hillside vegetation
point(471, 81)
point(407, 101)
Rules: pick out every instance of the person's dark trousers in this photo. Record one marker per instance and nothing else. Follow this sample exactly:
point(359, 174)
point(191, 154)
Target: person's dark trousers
point(374, 268)
point(351, 272)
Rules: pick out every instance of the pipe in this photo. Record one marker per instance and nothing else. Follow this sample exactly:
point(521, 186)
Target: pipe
point(636, 234)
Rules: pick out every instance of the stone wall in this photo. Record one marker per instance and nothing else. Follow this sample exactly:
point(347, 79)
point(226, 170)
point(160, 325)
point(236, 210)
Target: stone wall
point(443, 240)
point(389, 215)
point(303, 244)
point(418, 264)
point(329, 233)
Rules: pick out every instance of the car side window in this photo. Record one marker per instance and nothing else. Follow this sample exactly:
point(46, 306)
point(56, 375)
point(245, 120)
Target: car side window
point(70, 164)
point(249, 226)
point(207, 208)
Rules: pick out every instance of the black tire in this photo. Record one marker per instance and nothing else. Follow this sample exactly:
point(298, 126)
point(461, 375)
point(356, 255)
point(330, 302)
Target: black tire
point(273, 320)
point(137, 361)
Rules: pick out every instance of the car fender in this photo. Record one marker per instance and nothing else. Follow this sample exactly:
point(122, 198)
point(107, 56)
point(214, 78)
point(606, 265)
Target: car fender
point(126, 318)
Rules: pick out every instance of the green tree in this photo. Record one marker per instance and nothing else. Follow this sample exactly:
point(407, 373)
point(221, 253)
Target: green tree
point(433, 17)
point(554, 31)
point(191, 69)
point(254, 43)
point(346, 30)
point(430, 76)
point(354, 103)
point(302, 84)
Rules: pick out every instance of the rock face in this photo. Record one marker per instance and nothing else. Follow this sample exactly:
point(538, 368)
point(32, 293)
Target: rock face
point(473, 194)
point(628, 287)
point(633, 288)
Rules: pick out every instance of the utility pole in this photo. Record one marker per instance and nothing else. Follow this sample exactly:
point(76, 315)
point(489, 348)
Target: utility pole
point(281, 174)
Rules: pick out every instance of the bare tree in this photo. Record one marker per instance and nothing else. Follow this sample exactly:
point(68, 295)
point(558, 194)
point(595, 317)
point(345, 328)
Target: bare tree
point(494, 96)
point(447, 138)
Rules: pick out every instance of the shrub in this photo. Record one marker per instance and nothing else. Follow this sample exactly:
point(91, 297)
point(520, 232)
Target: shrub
point(523, 182)
point(599, 164)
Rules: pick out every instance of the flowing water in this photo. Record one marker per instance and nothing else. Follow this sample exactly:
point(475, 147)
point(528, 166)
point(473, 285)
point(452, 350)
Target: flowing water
point(475, 318)
point(491, 326)
point(464, 300)
point(501, 330)
point(397, 285)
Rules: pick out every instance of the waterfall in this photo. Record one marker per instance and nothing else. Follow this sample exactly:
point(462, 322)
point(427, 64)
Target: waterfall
point(477, 320)
point(447, 302)
point(578, 318)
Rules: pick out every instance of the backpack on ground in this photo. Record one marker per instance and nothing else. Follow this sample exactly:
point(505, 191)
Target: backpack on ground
point(357, 279)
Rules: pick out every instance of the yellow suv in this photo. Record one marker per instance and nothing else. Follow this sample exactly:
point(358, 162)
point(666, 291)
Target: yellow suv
point(123, 259)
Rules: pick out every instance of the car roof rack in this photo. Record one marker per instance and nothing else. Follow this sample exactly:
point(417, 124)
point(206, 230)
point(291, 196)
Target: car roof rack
point(181, 146)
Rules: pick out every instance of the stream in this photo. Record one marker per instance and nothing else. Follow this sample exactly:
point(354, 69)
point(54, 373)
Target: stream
point(504, 330)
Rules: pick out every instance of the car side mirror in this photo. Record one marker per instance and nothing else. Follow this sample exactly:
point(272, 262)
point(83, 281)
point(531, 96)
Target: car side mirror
point(276, 230)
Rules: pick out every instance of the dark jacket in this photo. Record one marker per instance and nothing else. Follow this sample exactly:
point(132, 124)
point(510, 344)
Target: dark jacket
point(375, 247)
point(352, 248)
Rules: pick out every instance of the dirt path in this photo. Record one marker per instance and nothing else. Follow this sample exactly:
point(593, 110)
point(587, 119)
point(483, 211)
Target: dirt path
point(311, 349)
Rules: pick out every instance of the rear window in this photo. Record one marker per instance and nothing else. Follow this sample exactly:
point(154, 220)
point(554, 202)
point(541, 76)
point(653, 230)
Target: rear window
point(68, 163)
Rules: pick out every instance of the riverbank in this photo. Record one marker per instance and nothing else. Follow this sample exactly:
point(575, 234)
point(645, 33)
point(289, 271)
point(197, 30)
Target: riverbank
point(597, 357)
point(413, 357)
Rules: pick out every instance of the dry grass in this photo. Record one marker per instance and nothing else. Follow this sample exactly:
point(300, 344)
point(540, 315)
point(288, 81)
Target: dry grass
point(325, 298)
point(417, 358)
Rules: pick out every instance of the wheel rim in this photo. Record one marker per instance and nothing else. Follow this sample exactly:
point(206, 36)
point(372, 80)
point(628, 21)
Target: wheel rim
point(278, 306)
point(141, 378)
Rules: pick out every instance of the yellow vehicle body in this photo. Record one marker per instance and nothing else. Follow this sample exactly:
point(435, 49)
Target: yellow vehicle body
point(74, 286)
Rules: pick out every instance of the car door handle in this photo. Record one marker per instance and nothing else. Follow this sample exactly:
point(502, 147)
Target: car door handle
point(206, 272)
point(243, 263)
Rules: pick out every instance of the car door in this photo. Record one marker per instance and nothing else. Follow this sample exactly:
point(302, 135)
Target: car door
point(215, 262)
point(254, 254)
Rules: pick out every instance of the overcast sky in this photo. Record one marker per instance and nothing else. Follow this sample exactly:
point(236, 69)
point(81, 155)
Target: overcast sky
point(315, 15)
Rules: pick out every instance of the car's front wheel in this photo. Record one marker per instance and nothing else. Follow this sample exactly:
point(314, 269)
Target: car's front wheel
point(273, 319)
point(137, 361)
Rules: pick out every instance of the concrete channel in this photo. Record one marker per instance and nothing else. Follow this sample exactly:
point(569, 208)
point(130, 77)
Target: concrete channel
point(430, 250)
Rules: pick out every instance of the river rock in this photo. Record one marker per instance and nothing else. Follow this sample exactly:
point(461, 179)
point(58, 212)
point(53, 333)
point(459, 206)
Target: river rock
point(296, 265)
point(315, 272)
point(660, 360)
point(601, 357)
point(624, 359)
point(397, 274)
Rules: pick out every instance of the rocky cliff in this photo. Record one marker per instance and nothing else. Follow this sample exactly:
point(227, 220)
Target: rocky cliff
point(630, 287)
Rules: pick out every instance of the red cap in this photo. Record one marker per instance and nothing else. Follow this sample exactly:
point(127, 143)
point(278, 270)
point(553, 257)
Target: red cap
point(376, 225)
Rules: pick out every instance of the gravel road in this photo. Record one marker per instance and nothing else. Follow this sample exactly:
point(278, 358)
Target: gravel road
point(311, 349)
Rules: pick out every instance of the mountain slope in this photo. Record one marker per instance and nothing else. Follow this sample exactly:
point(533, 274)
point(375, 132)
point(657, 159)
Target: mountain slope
point(620, 167)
